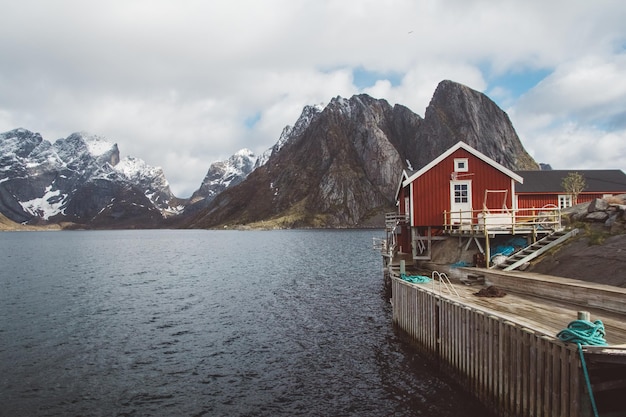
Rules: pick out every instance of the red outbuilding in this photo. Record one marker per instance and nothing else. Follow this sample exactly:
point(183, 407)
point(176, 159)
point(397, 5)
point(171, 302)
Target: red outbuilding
point(545, 188)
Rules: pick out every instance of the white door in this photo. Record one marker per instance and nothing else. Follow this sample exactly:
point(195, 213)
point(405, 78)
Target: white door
point(461, 202)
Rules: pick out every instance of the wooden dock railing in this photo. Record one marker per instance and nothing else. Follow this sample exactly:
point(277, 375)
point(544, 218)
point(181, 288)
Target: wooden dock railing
point(503, 220)
point(513, 370)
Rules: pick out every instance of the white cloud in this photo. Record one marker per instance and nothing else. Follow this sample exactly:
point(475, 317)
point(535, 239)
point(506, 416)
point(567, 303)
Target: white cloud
point(575, 117)
point(177, 83)
point(571, 146)
point(589, 89)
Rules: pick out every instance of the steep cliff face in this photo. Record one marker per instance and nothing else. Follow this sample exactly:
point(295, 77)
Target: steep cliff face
point(308, 115)
point(334, 173)
point(342, 168)
point(458, 113)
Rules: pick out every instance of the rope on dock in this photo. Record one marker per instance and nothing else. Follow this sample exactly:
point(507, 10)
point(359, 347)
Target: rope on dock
point(415, 279)
point(583, 332)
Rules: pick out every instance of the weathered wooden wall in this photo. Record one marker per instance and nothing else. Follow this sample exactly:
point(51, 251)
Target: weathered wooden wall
point(513, 370)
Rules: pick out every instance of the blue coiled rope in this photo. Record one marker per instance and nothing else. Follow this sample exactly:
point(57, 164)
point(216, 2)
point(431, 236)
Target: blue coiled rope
point(583, 332)
point(415, 279)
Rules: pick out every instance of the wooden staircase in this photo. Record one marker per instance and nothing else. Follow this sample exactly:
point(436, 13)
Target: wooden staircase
point(529, 253)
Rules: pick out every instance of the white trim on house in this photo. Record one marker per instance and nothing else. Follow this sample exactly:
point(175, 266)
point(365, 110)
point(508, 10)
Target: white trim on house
point(514, 201)
point(411, 202)
point(469, 149)
point(401, 185)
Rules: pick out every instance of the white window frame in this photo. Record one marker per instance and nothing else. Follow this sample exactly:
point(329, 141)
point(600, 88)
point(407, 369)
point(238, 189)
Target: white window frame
point(565, 201)
point(461, 164)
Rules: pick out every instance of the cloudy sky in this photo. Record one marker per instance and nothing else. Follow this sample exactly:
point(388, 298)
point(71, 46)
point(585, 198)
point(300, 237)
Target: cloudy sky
point(184, 83)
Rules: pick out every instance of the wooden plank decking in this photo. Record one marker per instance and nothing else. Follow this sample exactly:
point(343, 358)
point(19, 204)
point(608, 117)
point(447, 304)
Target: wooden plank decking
point(547, 316)
point(505, 350)
point(547, 304)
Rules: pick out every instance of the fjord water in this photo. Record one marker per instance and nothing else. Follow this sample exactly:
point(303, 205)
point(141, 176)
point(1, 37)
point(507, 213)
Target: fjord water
point(206, 323)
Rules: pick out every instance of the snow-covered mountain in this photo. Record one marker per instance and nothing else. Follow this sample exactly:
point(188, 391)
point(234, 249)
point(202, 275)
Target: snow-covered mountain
point(309, 113)
point(224, 174)
point(79, 179)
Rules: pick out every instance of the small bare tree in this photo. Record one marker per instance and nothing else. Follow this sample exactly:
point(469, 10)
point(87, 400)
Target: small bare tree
point(574, 184)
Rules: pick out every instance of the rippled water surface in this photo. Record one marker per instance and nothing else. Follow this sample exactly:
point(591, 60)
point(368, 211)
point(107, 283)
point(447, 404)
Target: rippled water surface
point(206, 323)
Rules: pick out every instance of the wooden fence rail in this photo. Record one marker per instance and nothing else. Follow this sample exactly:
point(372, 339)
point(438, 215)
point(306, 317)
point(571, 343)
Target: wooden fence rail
point(511, 369)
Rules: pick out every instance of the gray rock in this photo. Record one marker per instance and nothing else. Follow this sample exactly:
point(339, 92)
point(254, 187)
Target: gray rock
point(598, 204)
point(597, 216)
point(577, 212)
point(612, 219)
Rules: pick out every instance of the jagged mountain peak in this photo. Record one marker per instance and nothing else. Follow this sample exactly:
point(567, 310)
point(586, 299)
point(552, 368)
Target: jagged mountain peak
point(96, 144)
point(134, 168)
point(19, 142)
point(358, 102)
point(85, 146)
point(339, 106)
point(78, 179)
point(308, 114)
point(343, 167)
point(332, 174)
point(245, 152)
point(242, 159)
point(224, 174)
point(458, 113)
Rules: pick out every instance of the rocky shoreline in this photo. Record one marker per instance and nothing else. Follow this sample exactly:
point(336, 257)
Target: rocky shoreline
point(598, 253)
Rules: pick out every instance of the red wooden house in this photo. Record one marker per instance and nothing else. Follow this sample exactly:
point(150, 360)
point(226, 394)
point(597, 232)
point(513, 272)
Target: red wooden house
point(545, 188)
point(461, 191)
point(465, 193)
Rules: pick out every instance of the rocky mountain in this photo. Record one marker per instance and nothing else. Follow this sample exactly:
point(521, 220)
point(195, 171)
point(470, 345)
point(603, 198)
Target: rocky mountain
point(338, 166)
point(228, 173)
point(224, 174)
point(341, 166)
point(81, 180)
point(458, 113)
point(309, 113)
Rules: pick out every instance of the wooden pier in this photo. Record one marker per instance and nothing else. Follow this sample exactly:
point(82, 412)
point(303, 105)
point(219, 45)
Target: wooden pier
point(505, 350)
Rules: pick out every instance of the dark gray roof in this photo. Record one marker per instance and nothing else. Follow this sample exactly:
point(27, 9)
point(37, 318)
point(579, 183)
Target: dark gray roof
point(596, 180)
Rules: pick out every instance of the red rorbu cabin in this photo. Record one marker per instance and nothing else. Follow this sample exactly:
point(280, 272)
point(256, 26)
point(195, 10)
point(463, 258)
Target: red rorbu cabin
point(461, 192)
point(467, 194)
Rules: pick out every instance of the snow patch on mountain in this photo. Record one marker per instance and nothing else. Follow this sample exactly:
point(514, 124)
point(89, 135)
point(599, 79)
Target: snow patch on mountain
point(46, 206)
point(135, 168)
point(224, 174)
point(97, 145)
